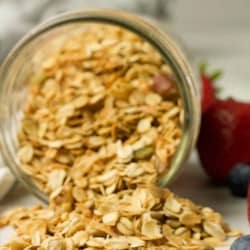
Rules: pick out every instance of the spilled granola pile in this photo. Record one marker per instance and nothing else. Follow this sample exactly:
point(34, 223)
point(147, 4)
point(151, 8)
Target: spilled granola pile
point(145, 218)
point(102, 122)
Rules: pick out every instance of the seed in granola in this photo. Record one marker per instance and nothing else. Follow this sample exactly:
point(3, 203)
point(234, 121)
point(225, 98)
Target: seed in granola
point(144, 153)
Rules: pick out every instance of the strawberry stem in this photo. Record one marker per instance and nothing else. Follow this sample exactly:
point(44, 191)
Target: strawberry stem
point(216, 75)
point(203, 68)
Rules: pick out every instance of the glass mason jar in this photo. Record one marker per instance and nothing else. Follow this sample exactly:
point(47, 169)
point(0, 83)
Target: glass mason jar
point(17, 65)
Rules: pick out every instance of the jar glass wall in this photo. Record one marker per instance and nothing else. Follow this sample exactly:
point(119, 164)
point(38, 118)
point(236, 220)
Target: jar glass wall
point(46, 38)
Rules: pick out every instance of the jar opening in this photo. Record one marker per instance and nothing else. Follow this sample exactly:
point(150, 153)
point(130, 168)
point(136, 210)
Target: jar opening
point(48, 36)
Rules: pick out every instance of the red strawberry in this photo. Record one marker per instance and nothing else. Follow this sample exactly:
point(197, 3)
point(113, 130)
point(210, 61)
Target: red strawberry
point(208, 92)
point(248, 204)
point(224, 137)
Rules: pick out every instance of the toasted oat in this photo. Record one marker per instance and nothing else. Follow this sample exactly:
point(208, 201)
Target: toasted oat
point(129, 219)
point(93, 98)
point(96, 134)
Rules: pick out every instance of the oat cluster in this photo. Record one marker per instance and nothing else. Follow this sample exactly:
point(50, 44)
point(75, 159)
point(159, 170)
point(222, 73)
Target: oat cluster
point(102, 122)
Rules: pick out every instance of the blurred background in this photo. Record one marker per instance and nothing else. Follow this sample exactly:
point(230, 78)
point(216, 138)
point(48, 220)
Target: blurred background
point(214, 31)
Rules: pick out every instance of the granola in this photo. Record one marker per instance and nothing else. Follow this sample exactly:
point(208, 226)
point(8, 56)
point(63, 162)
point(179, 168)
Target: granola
point(145, 218)
point(102, 122)
point(95, 104)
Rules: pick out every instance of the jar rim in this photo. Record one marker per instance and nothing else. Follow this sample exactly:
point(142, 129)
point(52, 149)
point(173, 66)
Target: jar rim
point(161, 41)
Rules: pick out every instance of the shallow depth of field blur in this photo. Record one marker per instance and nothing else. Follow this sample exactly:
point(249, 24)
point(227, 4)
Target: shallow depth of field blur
point(216, 31)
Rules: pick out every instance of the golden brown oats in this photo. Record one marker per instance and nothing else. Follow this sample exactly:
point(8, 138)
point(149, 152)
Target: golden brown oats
point(26, 153)
point(214, 229)
point(110, 218)
point(97, 132)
